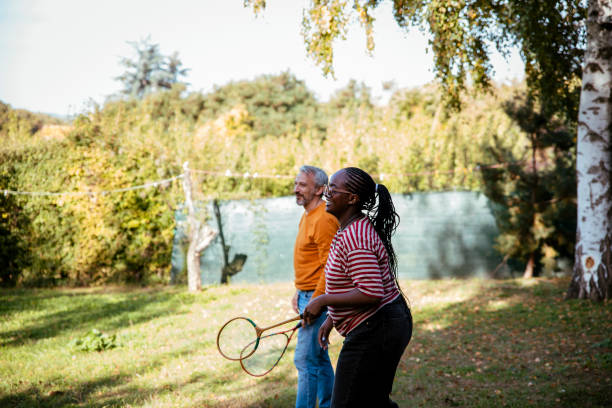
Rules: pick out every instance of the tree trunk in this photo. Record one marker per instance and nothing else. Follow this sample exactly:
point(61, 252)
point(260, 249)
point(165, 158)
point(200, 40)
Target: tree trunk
point(225, 248)
point(200, 235)
point(528, 273)
point(530, 268)
point(194, 278)
point(592, 266)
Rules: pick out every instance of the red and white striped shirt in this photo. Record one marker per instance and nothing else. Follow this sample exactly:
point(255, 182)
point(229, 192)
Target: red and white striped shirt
point(358, 259)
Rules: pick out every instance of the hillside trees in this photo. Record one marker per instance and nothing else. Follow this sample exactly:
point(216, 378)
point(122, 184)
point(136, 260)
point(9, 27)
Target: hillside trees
point(277, 104)
point(18, 123)
point(350, 97)
point(552, 41)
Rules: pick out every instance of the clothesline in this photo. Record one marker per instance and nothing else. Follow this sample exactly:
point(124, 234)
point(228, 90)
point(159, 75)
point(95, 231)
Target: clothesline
point(229, 173)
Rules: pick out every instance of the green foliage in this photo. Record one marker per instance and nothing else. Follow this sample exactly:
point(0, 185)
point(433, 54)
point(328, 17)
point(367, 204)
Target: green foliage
point(410, 145)
point(150, 71)
point(19, 124)
point(352, 97)
point(536, 193)
point(276, 104)
point(550, 36)
point(13, 224)
point(95, 340)
point(606, 343)
point(81, 239)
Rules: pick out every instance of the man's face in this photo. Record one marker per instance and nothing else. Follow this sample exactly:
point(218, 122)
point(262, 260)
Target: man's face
point(304, 189)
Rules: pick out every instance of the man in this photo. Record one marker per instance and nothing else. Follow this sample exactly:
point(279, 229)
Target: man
point(316, 231)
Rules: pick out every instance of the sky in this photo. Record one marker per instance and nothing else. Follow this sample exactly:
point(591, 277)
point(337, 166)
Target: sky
point(56, 56)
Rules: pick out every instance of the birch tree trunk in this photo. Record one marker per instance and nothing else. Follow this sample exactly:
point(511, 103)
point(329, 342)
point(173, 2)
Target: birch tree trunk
point(592, 267)
point(200, 235)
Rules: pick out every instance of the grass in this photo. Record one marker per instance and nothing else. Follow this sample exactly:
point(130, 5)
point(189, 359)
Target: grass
point(477, 343)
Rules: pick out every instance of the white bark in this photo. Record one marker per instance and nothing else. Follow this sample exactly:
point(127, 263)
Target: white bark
point(200, 235)
point(594, 234)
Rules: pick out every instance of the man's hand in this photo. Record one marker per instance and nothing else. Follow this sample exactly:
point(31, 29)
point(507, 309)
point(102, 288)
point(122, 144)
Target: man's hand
point(294, 303)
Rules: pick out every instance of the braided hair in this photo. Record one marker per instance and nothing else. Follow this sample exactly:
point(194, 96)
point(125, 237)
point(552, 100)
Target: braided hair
point(382, 213)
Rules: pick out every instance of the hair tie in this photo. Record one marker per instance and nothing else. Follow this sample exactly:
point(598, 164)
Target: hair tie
point(376, 188)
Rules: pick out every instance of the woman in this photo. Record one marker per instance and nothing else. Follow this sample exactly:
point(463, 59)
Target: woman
point(364, 300)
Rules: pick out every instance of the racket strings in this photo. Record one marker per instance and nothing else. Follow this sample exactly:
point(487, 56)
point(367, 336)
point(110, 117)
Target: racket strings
point(237, 339)
point(269, 352)
point(258, 355)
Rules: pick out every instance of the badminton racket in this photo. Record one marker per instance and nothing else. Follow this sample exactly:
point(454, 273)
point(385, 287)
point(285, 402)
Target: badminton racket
point(239, 337)
point(269, 352)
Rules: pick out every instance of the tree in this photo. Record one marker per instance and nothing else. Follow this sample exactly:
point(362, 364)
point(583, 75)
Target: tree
point(150, 71)
point(535, 192)
point(277, 104)
point(593, 256)
point(199, 235)
point(353, 96)
point(552, 38)
point(549, 34)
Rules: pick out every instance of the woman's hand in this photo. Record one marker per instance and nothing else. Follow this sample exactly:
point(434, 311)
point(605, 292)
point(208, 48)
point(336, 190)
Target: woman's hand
point(324, 331)
point(313, 309)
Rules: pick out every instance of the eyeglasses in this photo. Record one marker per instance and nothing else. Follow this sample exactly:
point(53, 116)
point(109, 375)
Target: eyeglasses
point(331, 191)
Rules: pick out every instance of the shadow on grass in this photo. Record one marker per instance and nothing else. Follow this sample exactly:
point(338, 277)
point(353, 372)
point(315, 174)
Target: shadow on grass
point(267, 391)
point(81, 311)
point(116, 390)
point(78, 395)
point(509, 345)
point(105, 391)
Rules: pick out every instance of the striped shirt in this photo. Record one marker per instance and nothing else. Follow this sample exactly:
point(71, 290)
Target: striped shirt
point(358, 259)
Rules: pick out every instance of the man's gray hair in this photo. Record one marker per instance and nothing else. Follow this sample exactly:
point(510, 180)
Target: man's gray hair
point(320, 177)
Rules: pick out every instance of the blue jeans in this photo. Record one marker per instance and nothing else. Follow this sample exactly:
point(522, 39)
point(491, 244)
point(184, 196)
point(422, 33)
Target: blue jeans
point(315, 372)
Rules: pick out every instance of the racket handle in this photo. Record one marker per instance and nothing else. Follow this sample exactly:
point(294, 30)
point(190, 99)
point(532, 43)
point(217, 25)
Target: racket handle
point(298, 317)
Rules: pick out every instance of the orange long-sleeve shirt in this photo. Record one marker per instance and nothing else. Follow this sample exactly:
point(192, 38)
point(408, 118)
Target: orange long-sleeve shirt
point(316, 231)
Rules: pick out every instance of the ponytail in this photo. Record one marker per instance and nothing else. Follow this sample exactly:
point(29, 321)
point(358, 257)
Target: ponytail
point(385, 220)
point(381, 212)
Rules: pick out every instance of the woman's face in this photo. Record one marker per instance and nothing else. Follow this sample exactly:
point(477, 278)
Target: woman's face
point(337, 202)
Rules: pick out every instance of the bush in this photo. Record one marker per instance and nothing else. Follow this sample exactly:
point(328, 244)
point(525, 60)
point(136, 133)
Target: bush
point(409, 145)
point(95, 341)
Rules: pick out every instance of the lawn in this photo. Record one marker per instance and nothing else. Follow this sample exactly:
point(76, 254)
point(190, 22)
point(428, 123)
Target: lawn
point(477, 343)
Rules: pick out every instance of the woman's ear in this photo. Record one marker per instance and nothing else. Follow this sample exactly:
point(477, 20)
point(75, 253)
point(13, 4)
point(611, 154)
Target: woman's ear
point(353, 199)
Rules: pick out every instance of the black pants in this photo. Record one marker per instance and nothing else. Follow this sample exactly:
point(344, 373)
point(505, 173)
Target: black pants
point(369, 357)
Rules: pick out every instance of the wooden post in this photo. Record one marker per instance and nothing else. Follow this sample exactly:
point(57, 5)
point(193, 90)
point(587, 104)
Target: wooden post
point(199, 234)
